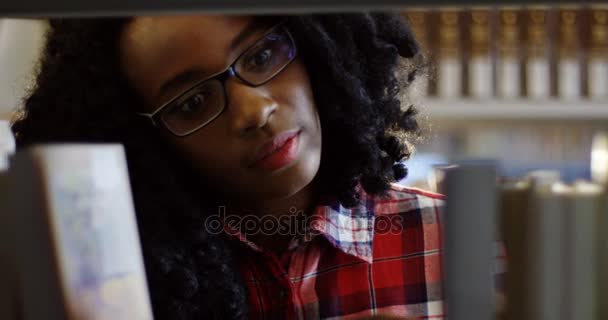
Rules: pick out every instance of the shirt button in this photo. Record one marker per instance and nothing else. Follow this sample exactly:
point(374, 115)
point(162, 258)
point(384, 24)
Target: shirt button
point(282, 293)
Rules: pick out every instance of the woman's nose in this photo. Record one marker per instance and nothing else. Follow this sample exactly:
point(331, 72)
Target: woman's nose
point(249, 108)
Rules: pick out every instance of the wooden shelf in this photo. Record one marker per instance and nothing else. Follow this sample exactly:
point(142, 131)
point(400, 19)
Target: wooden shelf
point(37, 8)
point(470, 109)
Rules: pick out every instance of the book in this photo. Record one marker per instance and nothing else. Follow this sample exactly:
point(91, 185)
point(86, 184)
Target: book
point(597, 59)
point(480, 73)
point(552, 234)
point(418, 19)
point(537, 66)
point(582, 251)
point(508, 57)
point(449, 57)
point(545, 255)
point(76, 244)
point(8, 289)
point(514, 210)
point(602, 256)
point(469, 240)
point(569, 55)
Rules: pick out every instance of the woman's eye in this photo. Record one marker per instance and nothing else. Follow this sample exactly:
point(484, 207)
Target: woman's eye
point(191, 105)
point(260, 59)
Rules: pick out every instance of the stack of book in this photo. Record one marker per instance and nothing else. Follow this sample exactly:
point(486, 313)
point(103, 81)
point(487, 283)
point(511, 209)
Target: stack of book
point(537, 52)
point(555, 247)
point(552, 232)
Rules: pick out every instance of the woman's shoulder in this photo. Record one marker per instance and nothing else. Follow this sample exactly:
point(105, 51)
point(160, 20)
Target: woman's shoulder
point(398, 190)
point(400, 199)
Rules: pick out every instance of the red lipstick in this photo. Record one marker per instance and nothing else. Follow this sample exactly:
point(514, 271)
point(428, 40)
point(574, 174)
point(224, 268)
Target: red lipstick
point(278, 152)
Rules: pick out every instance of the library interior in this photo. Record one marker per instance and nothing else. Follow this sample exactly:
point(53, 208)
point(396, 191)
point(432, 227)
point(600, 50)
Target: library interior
point(487, 124)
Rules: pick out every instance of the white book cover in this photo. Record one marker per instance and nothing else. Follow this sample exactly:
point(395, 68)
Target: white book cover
point(85, 219)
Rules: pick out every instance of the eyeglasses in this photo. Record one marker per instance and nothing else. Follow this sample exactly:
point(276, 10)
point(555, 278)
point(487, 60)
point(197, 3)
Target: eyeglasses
point(207, 99)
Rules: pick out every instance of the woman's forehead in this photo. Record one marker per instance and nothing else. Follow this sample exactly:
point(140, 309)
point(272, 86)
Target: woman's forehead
point(153, 49)
point(166, 31)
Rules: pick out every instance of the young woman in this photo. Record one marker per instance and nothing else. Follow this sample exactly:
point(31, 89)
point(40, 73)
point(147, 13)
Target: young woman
point(279, 119)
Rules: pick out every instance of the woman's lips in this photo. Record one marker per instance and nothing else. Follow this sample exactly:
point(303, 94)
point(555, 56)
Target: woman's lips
point(279, 152)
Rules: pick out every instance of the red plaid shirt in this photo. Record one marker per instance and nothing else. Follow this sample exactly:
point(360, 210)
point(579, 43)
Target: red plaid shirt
point(380, 258)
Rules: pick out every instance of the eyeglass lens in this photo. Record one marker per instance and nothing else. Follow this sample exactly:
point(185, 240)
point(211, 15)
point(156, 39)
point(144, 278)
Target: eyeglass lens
point(202, 104)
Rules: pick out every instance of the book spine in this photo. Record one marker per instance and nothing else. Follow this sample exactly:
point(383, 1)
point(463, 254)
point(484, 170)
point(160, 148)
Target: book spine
point(450, 66)
point(508, 62)
point(39, 289)
point(418, 21)
point(537, 66)
point(469, 241)
point(480, 59)
point(602, 255)
point(582, 251)
point(8, 289)
point(545, 253)
point(598, 53)
point(514, 204)
point(569, 63)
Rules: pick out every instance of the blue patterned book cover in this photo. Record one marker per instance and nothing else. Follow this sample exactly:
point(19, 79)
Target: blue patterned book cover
point(95, 233)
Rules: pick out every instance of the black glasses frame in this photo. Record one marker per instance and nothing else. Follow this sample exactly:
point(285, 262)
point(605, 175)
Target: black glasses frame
point(222, 76)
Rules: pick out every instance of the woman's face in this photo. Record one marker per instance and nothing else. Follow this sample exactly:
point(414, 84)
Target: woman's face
point(164, 56)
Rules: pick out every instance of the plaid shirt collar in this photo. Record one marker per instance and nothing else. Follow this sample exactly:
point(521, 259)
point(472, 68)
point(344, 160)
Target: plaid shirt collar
point(350, 230)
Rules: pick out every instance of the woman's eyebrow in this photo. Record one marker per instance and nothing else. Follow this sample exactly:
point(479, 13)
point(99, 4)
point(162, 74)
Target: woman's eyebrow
point(191, 75)
point(251, 28)
point(188, 76)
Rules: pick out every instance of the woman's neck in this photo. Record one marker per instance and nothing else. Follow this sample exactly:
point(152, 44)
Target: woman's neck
point(277, 220)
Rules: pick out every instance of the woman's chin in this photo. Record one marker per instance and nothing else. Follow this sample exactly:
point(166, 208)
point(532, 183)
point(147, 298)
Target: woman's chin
point(288, 182)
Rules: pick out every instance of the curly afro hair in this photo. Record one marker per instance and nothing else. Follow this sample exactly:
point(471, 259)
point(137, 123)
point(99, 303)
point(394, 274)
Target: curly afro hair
point(355, 63)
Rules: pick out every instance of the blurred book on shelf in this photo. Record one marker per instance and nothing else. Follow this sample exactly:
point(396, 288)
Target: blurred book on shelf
point(478, 22)
point(553, 236)
point(449, 56)
point(526, 85)
point(470, 265)
point(70, 247)
point(8, 288)
point(508, 53)
point(596, 40)
point(532, 52)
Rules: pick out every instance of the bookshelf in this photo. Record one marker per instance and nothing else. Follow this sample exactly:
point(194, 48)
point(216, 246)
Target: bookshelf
point(516, 109)
point(36, 8)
